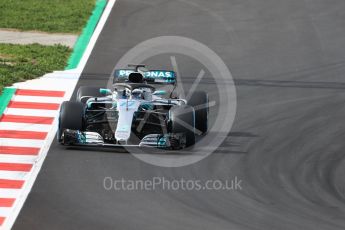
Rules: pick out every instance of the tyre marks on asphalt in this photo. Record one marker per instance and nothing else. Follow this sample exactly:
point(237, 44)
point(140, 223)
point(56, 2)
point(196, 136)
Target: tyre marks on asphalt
point(24, 128)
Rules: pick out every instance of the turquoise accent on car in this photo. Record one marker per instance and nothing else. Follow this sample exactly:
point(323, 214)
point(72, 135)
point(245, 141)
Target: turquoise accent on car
point(146, 106)
point(81, 137)
point(162, 142)
point(105, 91)
point(159, 92)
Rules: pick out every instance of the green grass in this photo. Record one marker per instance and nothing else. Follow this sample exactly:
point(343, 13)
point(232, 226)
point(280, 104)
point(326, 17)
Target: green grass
point(62, 16)
point(23, 62)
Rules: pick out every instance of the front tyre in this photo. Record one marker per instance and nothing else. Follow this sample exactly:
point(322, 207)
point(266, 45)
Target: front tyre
point(199, 101)
point(71, 117)
point(182, 120)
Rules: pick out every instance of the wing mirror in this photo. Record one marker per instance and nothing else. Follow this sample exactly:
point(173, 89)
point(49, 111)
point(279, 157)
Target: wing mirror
point(159, 93)
point(105, 92)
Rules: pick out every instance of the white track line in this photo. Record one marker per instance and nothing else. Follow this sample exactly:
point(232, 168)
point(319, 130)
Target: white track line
point(19, 159)
point(13, 175)
point(39, 99)
point(62, 81)
point(24, 127)
point(5, 212)
point(32, 112)
point(96, 34)
point(21, 142)
point(11, 158)
point(10, 193)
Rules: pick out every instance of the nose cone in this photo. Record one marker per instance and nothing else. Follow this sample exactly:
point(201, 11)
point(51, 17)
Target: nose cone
point(126, 109)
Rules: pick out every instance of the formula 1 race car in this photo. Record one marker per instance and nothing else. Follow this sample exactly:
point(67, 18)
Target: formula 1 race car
point(136, 111)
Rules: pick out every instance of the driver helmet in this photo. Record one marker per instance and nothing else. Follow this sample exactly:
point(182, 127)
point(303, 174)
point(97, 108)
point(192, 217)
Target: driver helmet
point(137, 94)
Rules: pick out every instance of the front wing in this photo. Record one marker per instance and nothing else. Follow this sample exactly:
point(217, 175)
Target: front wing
point(171, 141)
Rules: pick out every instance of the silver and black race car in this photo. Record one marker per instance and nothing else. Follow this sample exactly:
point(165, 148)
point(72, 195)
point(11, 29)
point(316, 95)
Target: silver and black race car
point(140, 109)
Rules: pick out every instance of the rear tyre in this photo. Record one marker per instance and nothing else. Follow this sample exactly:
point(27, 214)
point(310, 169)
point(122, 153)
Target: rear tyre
point(199, 101)
point(71, 117)
point(182, 120)
point(85, 92)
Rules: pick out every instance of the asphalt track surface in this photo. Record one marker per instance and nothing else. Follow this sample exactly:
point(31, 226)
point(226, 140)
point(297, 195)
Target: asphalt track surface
point(286, 144)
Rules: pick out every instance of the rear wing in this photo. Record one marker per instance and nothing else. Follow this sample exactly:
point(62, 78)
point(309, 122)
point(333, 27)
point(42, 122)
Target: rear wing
point(152, 76)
